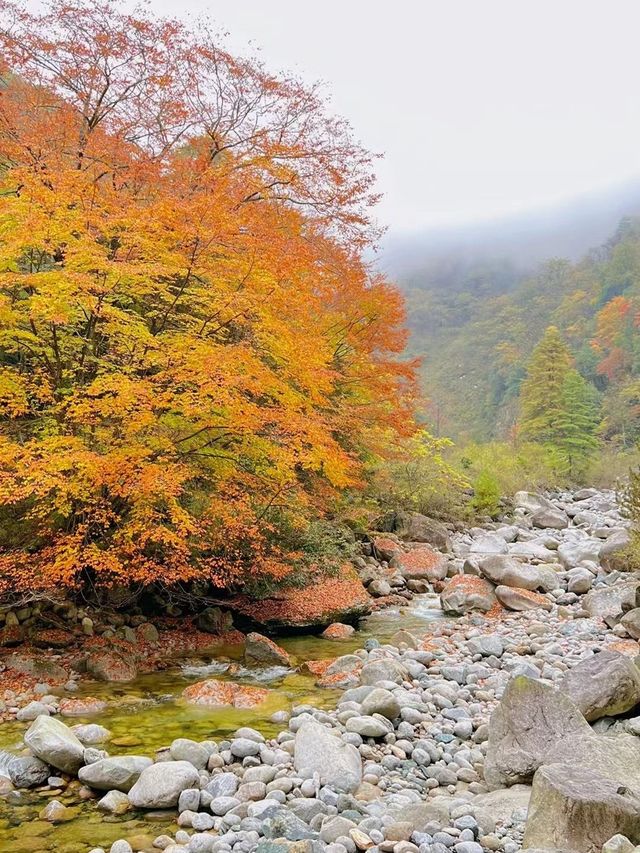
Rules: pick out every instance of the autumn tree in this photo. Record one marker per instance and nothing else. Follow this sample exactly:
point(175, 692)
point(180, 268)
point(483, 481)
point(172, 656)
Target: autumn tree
point(194, 356)
point(613, 341)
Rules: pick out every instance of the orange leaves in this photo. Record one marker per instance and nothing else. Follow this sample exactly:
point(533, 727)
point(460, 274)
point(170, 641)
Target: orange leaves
point(611, 319)
point(192, 350)
point(613, 342)
point(320, 597)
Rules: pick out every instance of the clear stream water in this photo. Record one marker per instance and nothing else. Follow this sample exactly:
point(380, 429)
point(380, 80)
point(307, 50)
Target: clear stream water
point(149, 713)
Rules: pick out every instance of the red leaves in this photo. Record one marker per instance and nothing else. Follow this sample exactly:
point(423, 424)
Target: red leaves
point(219, 694)
point(307, 605)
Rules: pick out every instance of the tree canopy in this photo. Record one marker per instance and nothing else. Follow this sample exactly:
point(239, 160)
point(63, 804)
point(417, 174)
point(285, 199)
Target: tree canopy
point(194, 355)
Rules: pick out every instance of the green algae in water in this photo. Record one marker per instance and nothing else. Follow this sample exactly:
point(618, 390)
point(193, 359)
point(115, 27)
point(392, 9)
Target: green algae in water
point(149, 713)
point(21, 830)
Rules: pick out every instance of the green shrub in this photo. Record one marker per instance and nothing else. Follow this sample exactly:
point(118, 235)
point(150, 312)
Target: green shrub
point(610, 468)
point(421, 479)
point(513, 466)
point(486, 494)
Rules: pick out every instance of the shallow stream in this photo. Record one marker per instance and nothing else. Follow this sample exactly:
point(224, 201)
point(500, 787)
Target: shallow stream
point(149, 712)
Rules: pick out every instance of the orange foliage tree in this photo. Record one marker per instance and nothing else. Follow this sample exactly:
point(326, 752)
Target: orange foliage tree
point(615, 329)
point(193, 352)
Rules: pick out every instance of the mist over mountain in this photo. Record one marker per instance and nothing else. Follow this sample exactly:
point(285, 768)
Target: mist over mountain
point(566, 230)
point(479, 299)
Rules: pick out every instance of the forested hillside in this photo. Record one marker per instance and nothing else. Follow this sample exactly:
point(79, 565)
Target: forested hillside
point(476, 325)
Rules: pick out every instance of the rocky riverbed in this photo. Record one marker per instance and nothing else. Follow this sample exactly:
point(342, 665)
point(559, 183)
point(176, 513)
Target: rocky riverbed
point(509, 726)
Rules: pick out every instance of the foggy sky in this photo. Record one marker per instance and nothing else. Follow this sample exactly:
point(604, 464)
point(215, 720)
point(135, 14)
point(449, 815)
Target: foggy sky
point(481, 107)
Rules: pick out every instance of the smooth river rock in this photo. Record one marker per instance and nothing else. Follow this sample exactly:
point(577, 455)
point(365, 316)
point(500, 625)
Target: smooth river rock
point(381, 701)
point(262, 651)
point(55, 743)
point(118, 773)
point(501, 569)
point(516, 598)
point(318, 750)
point(160, 786)
point(26, 771)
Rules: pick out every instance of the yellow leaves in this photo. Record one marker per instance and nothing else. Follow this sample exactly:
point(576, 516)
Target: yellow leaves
point(113, 399)
point(185, 358)
point(55, 302)
point(508, 354)
point(14, 401)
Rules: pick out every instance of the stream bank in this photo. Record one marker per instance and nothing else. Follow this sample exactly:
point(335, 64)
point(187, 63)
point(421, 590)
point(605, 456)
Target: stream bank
point(418, 718)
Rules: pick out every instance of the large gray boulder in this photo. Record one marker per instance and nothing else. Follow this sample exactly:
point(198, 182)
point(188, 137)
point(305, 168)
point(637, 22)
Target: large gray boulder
point(160, 786)
point(550, 518)
point(465, 593)
point(618, 844)
point(578, 551)
point(422, 813)
point(55, 743)
point(213, 620)
point(579, 808)
point(516, 598)
point(501, 569)
point(486, 645)
point(617, 541)
point(118, 773)
point(384, 669)
point(379, 588)
point(318, 750)
point(370, 726)
point(525, 729)
point(91, 733)
point(503, 802)
point(631, 623)
point(585, 494)
point(611, 600)
point(488, 543)
point(549, 850)
point(262, 651)
point(26, 771)
point(533, 550)
point(415, 527)
point(532, 502)
point(381, 701)
point(114, 802)
point(535, 725)
point(579, 580)
point(604, 685)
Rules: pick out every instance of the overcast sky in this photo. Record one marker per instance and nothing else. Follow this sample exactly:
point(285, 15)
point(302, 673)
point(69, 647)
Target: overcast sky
point(481, 107)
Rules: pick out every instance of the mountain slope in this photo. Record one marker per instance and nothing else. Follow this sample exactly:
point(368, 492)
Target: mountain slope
point(476, 322)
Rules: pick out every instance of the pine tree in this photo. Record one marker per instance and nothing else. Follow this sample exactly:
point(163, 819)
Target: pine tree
point(578, 422)
point(559, 408)
point(542, 392)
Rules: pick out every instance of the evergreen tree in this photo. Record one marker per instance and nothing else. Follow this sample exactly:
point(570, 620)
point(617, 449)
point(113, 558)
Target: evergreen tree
point(578, 422)
point(559, 408)
point(542, 392)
